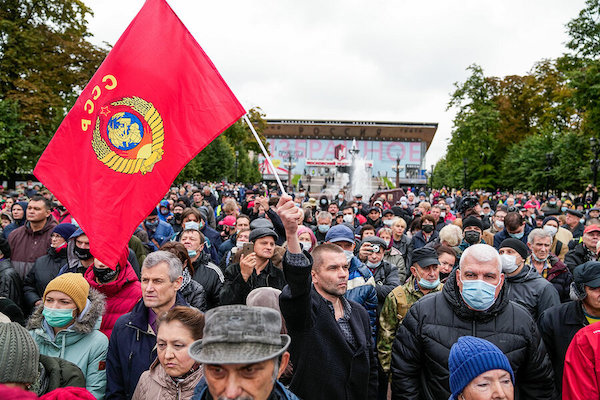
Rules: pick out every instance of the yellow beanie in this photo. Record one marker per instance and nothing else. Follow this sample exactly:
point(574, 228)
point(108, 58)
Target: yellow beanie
point(73, 285)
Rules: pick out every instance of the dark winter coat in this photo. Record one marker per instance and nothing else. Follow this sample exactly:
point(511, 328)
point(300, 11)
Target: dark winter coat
point(579, 255)
point(533, 292)
point(434, 323)
point(27, 246)
point(57, 373)
point(43, 271)
point(558, 325)
point(193, 292)
point(418, 240)
point(236, 289)
point(131, 351)
point(325, 365)
point(404, 246)
point(559, 276)
point(210, 277)
point(386, 279)
point(577, 231)
point(11, 285)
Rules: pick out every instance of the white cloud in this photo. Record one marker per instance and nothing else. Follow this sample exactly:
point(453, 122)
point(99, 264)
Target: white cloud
point(379, 60)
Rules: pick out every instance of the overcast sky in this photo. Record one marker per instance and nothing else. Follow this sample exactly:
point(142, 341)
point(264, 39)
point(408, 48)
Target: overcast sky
point(357, 60)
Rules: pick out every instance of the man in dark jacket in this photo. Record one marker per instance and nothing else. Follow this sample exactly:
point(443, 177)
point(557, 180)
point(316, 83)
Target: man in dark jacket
point(332, 349)
point(514, 227)
point(547, 264)
point(47, 267)
point(586, 250)
point(254, 270)
point(31, 241)
point(131, 348)
point(559, 324)
point(385, 274)
point(527, 287)
point(474, 301)
point(11, 286)
point(573, 223)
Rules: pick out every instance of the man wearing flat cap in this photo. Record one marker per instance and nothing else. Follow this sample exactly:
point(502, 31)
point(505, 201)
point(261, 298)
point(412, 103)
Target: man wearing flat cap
point(573, 223)
point(254, 270)
point(424, 279)
point(332, 349)
point(586, 250)
point(558, 325)
point(243, 354)
point(527, 287)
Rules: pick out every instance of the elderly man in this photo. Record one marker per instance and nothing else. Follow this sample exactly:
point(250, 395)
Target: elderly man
point(332, 349)
point(560, 237)
point(573, 223)
point(424, 279)
point(586, 249)
point(243, 354)
point(474, 301)
point(528, 288)
point(548, 265)
point(254, 270)
point(323, 225)
point(132, 348)
point(559, 324)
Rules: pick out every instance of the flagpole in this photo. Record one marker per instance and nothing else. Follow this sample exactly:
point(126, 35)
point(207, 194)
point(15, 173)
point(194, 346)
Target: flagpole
point(265, 153)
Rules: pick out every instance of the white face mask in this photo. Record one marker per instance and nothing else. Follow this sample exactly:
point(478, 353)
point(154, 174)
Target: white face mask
point(387, 242)
point(499, 224)
point(442, 214)
point(348, 218)
point(551, 229)
point(306, 246)
point(388, 222)
point(240, 244)
point(509, 263)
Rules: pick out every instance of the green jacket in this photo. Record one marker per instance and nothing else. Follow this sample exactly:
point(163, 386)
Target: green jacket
point(395, 307)
point(82, 343)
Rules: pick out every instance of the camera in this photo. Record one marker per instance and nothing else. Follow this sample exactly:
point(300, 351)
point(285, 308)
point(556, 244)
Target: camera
point(375, 248)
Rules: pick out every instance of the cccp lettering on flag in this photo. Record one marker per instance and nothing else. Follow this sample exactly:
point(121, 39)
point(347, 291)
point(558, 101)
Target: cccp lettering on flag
point(153, 104)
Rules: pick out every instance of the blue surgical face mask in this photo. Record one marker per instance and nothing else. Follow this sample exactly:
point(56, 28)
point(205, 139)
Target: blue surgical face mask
point(323, 228)
point(563, 209)
point(57, 318)
point(349, 254)
point(478, 294)
point(517, 235)
point(192, 253)
point(428, 285)
point(372, 265)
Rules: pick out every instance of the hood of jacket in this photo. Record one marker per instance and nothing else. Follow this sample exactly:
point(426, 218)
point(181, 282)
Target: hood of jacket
point(48, 226)
point(453, 296)
point(88, 320)
point(126, 275)
point(159, 375)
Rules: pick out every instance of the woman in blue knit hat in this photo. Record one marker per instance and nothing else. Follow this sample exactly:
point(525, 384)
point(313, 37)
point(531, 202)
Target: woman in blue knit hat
point(479, 371)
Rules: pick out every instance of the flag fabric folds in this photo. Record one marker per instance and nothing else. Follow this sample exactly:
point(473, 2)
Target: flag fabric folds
point(153, 104)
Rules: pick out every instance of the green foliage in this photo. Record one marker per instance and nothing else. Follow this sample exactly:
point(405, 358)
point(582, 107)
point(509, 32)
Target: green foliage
point(585, 31)
point(45, 60)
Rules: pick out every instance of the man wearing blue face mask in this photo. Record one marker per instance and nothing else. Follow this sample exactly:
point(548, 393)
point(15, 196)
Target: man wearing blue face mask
point(514, 227)
point(159, 232)
point(474, 302)
point(323, 225)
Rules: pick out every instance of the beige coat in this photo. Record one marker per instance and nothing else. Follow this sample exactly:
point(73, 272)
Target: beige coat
point(155, 384)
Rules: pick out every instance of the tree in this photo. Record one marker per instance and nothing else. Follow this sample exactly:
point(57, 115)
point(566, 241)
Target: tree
point(45, 60)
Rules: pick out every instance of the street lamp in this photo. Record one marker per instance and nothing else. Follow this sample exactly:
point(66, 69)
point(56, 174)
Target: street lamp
point(549, 161)
point(595, 144)
point(465, 160)
point(290, 165)
point(237, 154)
point(431, 177)
point(397, 169)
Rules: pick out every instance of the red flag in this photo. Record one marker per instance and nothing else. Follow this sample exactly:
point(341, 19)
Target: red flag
point(153, 104)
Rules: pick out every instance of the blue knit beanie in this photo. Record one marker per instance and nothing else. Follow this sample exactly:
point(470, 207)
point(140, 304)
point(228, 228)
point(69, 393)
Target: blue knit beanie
point(471, 357)
point(65, 230)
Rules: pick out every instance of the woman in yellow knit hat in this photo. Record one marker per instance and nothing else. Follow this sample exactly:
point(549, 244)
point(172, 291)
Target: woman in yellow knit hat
point(66, 325)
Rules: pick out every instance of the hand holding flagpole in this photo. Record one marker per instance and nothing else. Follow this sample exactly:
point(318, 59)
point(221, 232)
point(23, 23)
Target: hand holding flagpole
point(283, 192)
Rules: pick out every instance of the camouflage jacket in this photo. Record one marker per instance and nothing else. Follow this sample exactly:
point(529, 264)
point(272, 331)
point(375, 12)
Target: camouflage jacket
point(394, 310)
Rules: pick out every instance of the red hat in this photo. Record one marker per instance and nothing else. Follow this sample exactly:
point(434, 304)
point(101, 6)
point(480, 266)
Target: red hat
point(228, 220)
point(591, 228)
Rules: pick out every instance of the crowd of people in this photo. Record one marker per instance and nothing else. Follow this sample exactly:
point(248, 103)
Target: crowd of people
point(241, 292)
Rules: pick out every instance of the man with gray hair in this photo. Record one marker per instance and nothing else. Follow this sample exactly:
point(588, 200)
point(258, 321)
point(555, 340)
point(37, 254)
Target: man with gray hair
point(474, 301)
point(243, 354)
point(131, 348)
point(547, 264)
point(323, 225)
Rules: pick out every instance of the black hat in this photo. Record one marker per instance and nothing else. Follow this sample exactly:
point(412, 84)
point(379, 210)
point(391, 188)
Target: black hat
point(550, 218)
point(587, 274)
point(472, 221)
point(262, 232)
point(576, 213)
point(388, 211)
point(153, 212)
point(375, 209)
point(425, 256)
point(516, 245)
point(261, 223)
point(375, 240)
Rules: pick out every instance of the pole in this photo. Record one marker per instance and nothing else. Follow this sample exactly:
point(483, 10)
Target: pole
point(397, 171)
point(465, 172)
point(289, 169)
point(264, 151)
